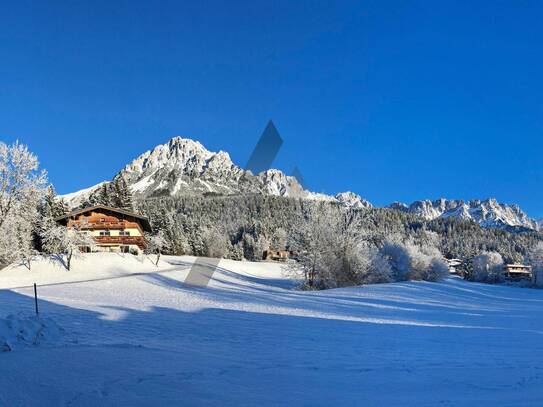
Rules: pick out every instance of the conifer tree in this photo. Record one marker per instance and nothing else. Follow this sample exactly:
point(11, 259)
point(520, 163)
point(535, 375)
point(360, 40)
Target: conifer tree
point(122, 196)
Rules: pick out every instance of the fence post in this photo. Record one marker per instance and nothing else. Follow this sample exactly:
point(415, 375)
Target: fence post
point(36, 299)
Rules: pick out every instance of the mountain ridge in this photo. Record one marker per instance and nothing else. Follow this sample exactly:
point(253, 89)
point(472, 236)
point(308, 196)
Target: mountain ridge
point(183, 166)
point(487, 213)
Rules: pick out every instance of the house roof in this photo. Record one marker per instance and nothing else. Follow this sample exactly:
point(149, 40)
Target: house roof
point(143, 220)
point(518, 266)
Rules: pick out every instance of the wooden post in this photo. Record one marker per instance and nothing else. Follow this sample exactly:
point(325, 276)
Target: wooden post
point(36, 299)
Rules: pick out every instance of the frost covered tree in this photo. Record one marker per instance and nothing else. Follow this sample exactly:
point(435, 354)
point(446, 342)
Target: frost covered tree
point(332, 250)
point(68, 241)
point(279, 238)
point(310, 239)
point(487, 267)
point(411, 261)
point(215, 242)
point(249, 220)
point(16, 242)
point(534, 258)
point(49, 209)
point(21, 189)
point(157, 244)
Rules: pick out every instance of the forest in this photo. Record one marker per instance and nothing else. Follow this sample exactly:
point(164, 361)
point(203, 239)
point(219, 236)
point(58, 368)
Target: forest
point(334, 245)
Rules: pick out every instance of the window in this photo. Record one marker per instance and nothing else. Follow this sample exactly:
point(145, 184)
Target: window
point(125, 249)
point(124, 233)
point(105, 233)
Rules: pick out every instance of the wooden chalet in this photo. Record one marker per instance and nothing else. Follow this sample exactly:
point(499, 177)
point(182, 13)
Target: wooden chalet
point(518, 271)
point(277, 255)
point(455, 266)
point(113, 229)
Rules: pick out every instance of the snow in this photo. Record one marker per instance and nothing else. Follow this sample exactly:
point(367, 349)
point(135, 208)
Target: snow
point(142, 184)
point(135, 335)
point(185, 166)
point(488, 213)
point(75, 199)
point(22, 330)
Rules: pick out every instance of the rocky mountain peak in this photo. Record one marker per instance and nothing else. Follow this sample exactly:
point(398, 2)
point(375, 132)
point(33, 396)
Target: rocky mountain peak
point(488, 212)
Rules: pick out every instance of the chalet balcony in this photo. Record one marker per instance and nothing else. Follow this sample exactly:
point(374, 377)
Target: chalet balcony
point(108, 225)
point(121, 240)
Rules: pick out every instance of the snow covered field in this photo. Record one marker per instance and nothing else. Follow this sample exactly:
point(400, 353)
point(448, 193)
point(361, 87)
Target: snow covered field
point(127, 333)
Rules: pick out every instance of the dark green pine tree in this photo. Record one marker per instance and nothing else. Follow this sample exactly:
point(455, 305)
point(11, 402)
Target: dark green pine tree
point(122, 196)
point(103, 197)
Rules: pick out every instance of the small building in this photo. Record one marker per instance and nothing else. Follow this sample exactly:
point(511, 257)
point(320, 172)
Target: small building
point(112, 229)
point(277, 255)
point(455, 266)
point(518, 271)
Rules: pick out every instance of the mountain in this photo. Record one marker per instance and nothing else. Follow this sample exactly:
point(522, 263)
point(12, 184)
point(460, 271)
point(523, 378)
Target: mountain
point(185, 167)
point(352, 200)
point(487, 213)
point(78, 198)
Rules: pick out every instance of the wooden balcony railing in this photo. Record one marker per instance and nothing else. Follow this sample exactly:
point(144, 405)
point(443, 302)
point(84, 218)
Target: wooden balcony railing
point(106, 225)
point(122, 240)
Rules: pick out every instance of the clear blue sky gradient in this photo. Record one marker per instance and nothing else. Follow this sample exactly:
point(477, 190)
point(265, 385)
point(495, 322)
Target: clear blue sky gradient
point(393, 100)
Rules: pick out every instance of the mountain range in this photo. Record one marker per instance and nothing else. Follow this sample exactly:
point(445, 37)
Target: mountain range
point(185, 167)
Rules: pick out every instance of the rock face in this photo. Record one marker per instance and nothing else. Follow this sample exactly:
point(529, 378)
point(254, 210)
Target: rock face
point(487, 213)
point(185, 167)
point(352, 200)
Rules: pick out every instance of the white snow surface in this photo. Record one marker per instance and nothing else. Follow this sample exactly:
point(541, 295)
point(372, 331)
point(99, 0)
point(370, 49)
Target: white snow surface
point(74, 199)
point(134, 334)
point(17, 331)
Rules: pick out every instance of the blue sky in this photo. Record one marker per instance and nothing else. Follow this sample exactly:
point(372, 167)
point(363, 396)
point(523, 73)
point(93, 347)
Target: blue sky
point(393, 100)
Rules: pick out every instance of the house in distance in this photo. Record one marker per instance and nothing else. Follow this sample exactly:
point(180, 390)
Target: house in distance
point(112, 229)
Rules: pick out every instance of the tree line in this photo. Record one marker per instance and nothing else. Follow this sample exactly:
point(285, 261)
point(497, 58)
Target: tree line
point(334, 245)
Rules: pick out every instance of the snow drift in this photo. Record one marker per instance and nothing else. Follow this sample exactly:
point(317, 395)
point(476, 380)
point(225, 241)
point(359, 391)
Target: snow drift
point(18, 331)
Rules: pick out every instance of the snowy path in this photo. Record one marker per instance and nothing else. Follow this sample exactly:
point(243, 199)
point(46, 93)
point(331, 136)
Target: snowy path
point(147, 339)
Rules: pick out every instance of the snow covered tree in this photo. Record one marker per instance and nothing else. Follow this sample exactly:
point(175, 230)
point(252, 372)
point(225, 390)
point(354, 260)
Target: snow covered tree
point(309, 240)
point(122, 196)
point(487, 267)
point(279, 239)
point(412, 261)
point(21, 189)
point(49, 209)
point(247, 220)
point(398, 257)
point(534, 258)
point(157, 244)
point(216, 243)
point(103, 196)
point(236, 251)
point(68, 241)
point(16, 242)
point(329, 247)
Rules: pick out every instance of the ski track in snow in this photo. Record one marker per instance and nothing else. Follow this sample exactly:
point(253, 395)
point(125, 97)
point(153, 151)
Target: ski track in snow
point(138, 336)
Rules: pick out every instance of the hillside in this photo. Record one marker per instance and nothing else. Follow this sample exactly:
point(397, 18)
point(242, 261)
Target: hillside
point(138, 336)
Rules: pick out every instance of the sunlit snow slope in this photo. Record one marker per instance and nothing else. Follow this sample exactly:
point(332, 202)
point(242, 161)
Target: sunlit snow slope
point(136, 335)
